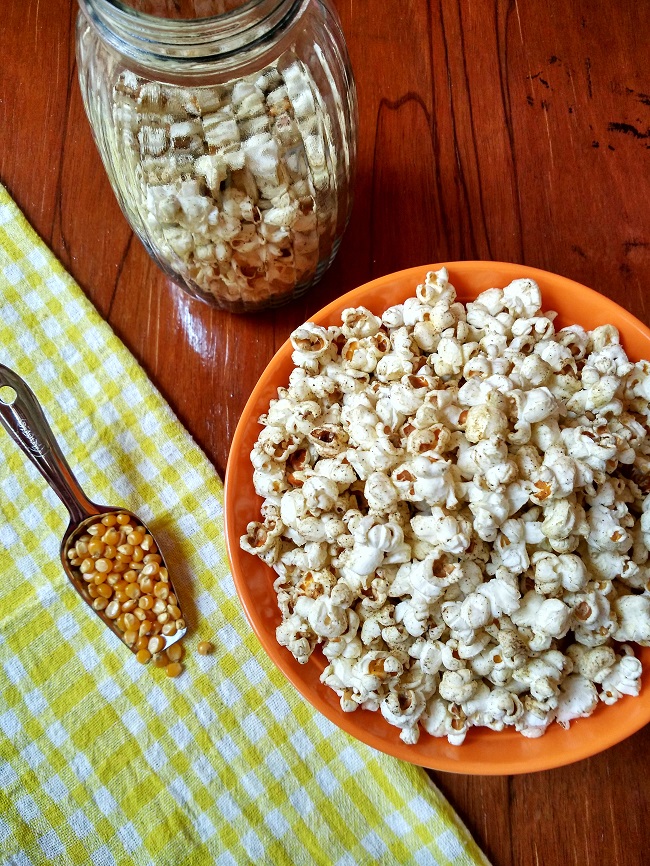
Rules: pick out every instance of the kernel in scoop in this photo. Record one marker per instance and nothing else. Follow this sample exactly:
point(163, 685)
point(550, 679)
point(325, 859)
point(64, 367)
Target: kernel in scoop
point(120, 572)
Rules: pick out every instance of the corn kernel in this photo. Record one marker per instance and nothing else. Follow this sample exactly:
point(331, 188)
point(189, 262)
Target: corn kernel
point(205, 648)
point(173, 669)
point(143, 656)
point(111, 536)
point(96, 547)
point(155, 644)
point(175, 652)
point(148, 544)
point(130, 621)
point(152, 557)
point(113, 610)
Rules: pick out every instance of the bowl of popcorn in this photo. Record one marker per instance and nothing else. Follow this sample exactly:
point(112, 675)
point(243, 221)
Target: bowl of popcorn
point(438, 517)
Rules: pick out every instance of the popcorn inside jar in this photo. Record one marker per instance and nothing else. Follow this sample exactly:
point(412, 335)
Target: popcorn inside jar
point(456, 503)
point(235, 186)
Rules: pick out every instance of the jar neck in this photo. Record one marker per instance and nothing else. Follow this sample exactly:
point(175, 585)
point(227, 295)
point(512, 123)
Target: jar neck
point(160, 42)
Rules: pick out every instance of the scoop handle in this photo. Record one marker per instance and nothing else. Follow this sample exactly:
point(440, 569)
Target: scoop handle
point(24, 420)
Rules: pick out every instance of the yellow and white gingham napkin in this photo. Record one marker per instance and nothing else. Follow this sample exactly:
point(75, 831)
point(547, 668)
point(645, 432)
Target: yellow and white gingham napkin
point(105, 761)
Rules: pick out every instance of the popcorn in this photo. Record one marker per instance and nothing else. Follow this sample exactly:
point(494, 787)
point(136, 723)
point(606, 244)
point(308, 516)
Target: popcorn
point(593, 664)
point(250, 207)
point(633, 615)
point(546, 618)
point(457, 505)
point(440, 721)
point(555, 574)
point(623, 679)
point(404, 711)
point(578, 699)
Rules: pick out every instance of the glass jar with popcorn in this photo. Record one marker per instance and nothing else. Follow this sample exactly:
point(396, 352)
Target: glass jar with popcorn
point(228, 132)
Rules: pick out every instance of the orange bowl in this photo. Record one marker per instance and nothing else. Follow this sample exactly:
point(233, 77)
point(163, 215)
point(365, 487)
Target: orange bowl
point(484, 752)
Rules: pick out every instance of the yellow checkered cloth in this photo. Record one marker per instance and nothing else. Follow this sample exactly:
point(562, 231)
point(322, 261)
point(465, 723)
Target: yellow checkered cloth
point(105, 761)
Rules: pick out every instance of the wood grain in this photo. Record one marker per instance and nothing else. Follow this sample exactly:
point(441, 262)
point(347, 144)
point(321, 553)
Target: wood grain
point(516, 130)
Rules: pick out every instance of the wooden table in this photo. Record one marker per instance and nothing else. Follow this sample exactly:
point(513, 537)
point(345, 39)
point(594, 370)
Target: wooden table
point(514, 131)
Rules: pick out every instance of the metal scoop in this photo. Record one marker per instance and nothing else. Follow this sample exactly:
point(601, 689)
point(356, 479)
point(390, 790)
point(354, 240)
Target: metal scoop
point(23, 418)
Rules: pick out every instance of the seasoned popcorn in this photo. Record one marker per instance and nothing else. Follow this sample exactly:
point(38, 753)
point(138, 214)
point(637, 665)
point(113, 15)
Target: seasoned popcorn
point(457, 507)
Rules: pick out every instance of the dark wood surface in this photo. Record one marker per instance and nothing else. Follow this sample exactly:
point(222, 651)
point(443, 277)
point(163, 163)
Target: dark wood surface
point(514, 130)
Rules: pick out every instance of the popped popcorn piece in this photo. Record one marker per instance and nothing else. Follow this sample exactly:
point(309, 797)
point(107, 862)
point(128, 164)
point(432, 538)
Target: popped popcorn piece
point(440, 721)
point(593, 664)
point(457, 506)
point(403, 710)
point(578, 699)
point(554, 574)
point(547, 618)
point(623, 679)
point(633, 614)
point(493, 708)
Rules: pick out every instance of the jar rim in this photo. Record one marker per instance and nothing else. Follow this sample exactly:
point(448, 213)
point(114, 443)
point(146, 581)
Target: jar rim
point(126, 9)
point(159, 42)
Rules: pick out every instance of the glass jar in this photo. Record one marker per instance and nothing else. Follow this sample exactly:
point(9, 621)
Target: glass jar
point(229, 140)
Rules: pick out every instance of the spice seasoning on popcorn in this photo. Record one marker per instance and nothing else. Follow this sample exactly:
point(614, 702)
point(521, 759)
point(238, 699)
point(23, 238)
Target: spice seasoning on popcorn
point(457, 506)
